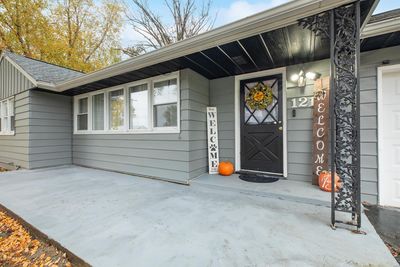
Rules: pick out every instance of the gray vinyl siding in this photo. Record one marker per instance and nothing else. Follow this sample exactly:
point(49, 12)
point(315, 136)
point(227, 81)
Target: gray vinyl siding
point(174, 156)
point(222, 96)
point(50, 129)
point(370, 61)
point(15, 149)
point(299, 128)
point(43, 131)
point(194, 111)
point(12, 81)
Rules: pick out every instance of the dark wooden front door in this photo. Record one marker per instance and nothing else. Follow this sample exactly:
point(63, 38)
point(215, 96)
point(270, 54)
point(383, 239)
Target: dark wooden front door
point(262, 130)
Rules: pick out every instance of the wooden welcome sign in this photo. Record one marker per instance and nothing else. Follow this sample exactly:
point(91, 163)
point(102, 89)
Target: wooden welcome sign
point(320, 127)
point(212, 137)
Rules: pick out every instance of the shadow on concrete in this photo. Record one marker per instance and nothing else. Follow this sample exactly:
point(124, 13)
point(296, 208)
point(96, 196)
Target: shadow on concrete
point(386, 223)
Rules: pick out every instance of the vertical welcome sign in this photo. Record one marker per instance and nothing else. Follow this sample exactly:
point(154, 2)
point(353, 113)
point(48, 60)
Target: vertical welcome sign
point(320, 127)
point(212, 137)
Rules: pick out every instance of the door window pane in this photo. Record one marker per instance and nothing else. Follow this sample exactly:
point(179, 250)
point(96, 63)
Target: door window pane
point(117, 109)
point(98, 112)
point(262, 116)
point(82, 114)
point(138, 107)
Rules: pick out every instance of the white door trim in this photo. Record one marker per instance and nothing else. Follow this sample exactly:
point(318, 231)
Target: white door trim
point(238, 78)
point(380, 71)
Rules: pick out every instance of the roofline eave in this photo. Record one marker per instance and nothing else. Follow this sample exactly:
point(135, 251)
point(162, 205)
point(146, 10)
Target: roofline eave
point(380, 28)
point(268, 20)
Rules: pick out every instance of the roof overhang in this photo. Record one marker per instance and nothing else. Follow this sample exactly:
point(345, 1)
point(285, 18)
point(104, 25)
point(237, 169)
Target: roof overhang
point(266, 21)
point(380, 28)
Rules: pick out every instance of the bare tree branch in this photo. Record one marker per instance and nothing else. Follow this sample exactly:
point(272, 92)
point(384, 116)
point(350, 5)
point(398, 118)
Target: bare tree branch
point(188, 20)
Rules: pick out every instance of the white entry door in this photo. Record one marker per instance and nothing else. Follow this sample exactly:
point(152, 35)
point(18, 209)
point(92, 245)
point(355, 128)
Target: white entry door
point(389, 151)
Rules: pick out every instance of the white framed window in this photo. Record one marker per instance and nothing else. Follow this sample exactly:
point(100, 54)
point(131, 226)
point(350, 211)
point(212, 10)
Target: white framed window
point(99, 112)
point(165, 103)
point(7, 118)
point(139, 115)
point(83, 114)
point(116, 107)
point(146, 106)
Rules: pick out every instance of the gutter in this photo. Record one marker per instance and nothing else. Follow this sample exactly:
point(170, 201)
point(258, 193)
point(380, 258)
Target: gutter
point(268, 20)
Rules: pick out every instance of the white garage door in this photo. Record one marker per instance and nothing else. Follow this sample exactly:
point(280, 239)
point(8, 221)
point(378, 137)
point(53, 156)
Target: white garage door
point(389, 131)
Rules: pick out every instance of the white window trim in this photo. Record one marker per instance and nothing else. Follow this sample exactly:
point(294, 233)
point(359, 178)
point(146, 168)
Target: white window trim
point(11, 112)
point(151, 130)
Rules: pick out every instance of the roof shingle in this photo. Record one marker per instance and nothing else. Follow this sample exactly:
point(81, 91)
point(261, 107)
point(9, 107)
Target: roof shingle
point(42, 71)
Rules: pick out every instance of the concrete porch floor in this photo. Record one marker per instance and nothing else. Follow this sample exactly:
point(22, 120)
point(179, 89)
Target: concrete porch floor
point(296, 191)
point(111, 219)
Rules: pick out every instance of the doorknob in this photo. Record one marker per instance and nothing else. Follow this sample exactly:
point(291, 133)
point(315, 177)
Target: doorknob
point(280, 128)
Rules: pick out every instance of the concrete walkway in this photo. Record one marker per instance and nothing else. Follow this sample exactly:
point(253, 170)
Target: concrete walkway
point(112, 219)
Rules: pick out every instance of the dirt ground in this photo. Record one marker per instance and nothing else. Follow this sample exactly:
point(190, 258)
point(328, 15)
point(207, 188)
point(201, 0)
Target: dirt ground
point(19, 248)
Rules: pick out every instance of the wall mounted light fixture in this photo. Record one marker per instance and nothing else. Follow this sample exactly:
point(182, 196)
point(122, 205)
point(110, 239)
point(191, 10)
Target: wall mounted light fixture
point(302, 77)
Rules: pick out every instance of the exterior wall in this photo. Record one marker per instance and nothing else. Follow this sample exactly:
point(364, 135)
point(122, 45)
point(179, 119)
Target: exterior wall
point(173, 156)
point(15, 148)
point(43, 131)
point(50, 129)
point(222, 96)
point(370, 61)
point(299, 128)
point(194, 112)
point(12, 81)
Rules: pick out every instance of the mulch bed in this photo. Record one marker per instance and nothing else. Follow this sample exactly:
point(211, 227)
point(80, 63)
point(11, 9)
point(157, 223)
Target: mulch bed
point(23, 245)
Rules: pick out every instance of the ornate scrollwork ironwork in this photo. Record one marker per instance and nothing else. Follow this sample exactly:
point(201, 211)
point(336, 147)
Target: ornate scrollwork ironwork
point(347, 114)
point(342, 26)
point(318, 24)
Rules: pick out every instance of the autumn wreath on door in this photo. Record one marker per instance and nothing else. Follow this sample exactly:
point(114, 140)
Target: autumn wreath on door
point(259, 97)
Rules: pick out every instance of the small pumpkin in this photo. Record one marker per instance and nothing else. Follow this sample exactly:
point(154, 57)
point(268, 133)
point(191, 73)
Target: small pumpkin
point(324, 181)
point(225, 168)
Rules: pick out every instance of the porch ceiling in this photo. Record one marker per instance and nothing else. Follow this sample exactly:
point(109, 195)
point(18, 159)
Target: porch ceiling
point(267, 50)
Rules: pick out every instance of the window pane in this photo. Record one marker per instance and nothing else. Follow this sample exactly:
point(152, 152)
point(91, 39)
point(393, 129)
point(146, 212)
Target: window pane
point(165, 92)
point(12, 123)
point(82, 122)
point(98, 112)
point(117, 109)
point(11, 107)
point(4, 109)
point(138, 107)
point(165, 115)
point(4, 124)
point(83, 105)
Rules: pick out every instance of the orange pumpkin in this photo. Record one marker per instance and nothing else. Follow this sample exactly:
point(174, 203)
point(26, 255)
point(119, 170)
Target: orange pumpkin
point(225, 168)
point(324, 181)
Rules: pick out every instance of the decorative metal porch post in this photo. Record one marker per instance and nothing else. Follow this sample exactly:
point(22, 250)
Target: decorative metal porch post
point(342, 27)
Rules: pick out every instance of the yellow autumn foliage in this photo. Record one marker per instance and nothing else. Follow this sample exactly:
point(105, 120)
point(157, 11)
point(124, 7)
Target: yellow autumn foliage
point(78, 34)
point(18, 248)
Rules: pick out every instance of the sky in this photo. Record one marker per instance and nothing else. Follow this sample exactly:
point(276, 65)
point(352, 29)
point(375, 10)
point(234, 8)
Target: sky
point(232, 10)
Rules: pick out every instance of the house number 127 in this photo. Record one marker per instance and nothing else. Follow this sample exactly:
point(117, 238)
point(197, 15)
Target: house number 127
point(303, 102)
